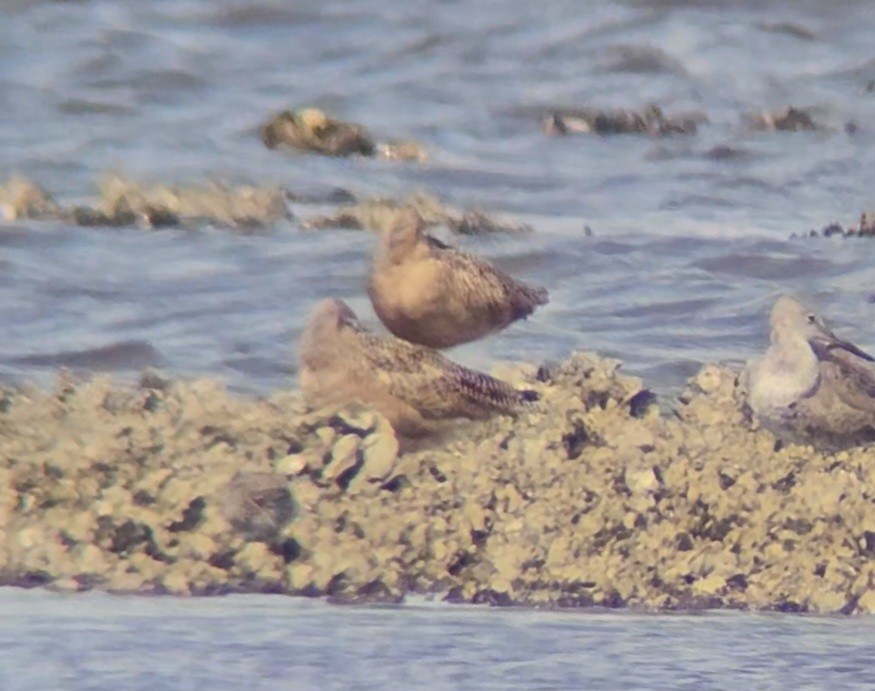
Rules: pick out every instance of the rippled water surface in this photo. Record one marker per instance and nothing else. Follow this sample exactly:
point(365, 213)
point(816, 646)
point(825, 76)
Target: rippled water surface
point(690, 245)
point(98, 642)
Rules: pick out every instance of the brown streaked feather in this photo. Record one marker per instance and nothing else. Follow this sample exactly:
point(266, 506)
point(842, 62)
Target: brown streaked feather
point(491, 290)
point(441, 388)
point(342, 362)
point(486, 393)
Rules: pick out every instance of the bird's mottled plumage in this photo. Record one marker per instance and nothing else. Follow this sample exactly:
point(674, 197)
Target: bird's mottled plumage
point(811, 381)
point(342, 362)
point(426, 292)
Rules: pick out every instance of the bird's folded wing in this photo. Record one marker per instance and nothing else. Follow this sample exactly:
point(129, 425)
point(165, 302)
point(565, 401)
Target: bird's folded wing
point(412, 374)
point(489, 291)
point(848, 371)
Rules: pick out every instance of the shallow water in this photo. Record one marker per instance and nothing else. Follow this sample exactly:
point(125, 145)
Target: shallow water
point(51, 641)
point(690, 247)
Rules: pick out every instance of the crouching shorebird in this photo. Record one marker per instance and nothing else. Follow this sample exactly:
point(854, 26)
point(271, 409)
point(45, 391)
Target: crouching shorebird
point(812, 382)
point(413, 387)
point(428, 293)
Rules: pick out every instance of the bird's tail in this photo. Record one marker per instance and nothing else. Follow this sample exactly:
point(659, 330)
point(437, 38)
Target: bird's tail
point(487, 394)
point(528, 299)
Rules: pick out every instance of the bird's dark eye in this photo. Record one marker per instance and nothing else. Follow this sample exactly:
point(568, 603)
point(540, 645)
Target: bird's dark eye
point(811, 319)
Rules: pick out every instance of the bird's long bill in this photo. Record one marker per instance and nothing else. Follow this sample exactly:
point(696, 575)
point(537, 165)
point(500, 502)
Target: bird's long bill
point(837, 342)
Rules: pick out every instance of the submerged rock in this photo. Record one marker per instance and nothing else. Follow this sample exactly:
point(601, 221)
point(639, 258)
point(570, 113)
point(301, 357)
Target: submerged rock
point(864, 229)
point(650, 121)
point(240, 207)
point(641, 60)
point(381, 214)
point(790, 29)
point(402, 151)
point(124, 202)
point(23, 198)
point(789, 119)
point(310, 129)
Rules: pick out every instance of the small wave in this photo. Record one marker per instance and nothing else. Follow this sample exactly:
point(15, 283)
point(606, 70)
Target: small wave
point(124, 355)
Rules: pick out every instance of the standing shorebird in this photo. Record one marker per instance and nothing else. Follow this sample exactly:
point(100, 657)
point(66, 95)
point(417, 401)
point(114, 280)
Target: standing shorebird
point(812, 382)
point(429, 293)
point(413, 387)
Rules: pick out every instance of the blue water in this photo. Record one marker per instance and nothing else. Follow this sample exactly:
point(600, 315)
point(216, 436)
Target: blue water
point(52, 641)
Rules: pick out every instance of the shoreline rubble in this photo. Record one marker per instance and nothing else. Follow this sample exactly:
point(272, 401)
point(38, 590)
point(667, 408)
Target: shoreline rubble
point(590, 498)
point(310, 130)
point(865, 228)
point(788, 119)
point(380, 213)
point(123, 202)
point(650, 121)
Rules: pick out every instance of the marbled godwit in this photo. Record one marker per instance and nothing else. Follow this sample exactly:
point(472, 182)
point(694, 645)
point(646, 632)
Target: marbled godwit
point(428, 293)
point(412, 386)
